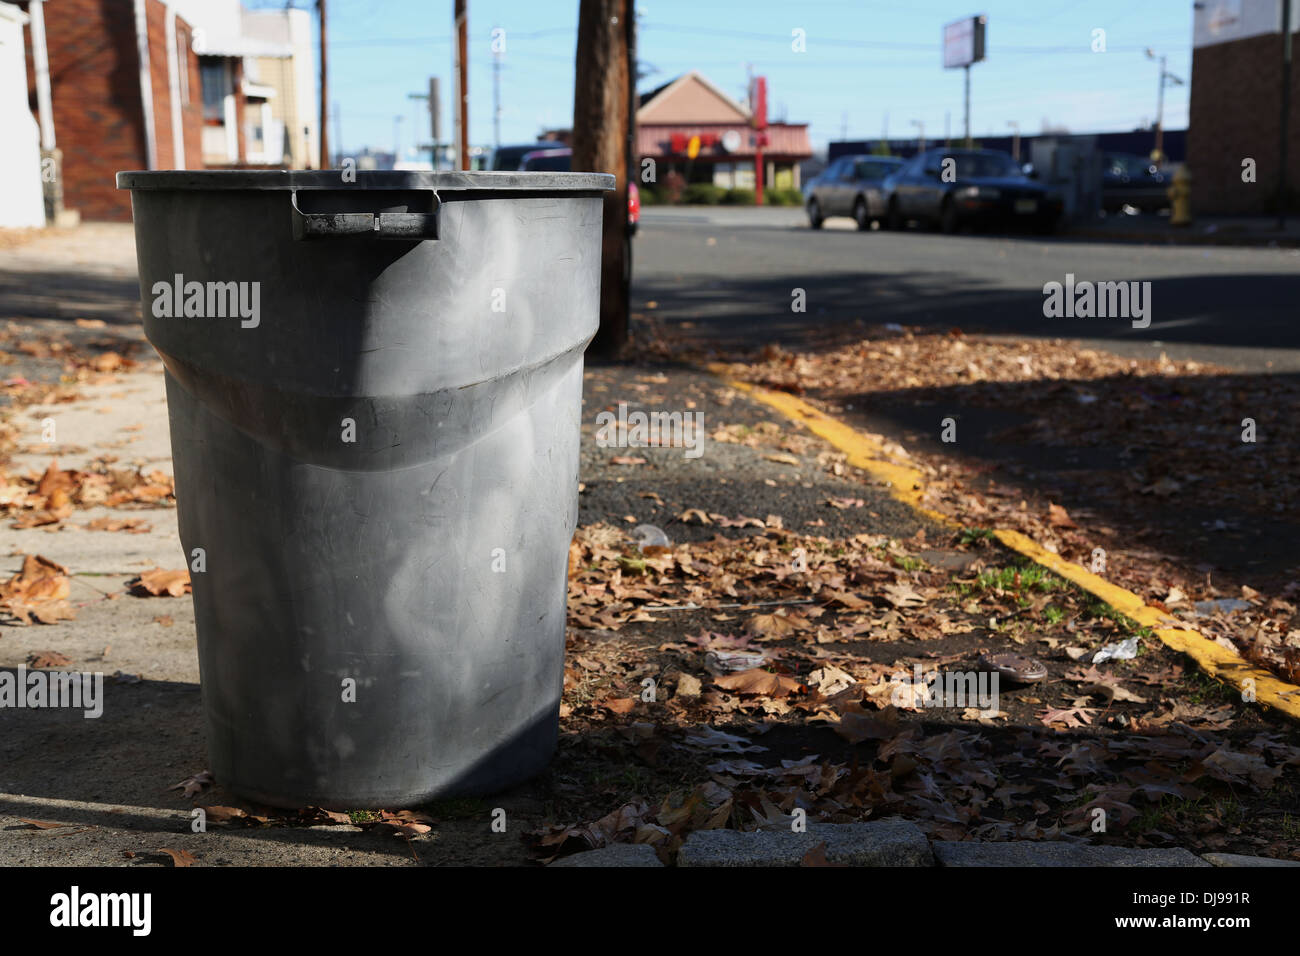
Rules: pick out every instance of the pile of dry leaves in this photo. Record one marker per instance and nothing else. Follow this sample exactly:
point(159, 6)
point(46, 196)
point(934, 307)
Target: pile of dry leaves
point(50, 498)
point(801, 683)
point(1176, 428)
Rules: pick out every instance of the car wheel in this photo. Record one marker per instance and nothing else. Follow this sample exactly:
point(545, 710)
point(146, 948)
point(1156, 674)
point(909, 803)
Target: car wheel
point(861, 215)
point(948, 218)
point(894, 218)
point(815, 214)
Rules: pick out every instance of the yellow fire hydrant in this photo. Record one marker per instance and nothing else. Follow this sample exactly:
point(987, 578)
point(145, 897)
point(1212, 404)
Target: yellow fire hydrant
point(1180, 198)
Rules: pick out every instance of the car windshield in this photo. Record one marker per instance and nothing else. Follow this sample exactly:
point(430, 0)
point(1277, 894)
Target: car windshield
point(509, 157)
point(548, 164)
point(985, 166)
point(874, 169)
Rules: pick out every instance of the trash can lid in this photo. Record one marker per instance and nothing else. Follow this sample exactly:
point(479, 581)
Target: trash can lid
point(388, 179)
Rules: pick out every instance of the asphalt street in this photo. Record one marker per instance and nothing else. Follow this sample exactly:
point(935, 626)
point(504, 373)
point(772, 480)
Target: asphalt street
point(725, 279)
point(729, 274)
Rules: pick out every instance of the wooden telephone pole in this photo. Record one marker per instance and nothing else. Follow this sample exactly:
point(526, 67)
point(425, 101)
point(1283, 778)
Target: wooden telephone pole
point(602, 114)
point(462, 80)
point(324, 94)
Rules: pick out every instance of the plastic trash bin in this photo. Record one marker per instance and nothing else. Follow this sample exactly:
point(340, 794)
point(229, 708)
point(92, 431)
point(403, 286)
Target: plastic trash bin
point(374, 389)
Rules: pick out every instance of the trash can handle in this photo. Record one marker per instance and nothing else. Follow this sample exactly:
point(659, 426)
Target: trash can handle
point(384, 225)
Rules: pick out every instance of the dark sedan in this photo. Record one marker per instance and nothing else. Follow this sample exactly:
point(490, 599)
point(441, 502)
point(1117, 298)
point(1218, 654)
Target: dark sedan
point(1133, 181)
point(850, 186)
point(952, 188)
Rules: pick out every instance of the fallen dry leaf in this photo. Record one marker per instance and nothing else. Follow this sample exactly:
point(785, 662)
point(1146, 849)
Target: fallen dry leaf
point(158, 582)
point(179, 857)
point(761, 683)
point(195, 784)
point(39, 659)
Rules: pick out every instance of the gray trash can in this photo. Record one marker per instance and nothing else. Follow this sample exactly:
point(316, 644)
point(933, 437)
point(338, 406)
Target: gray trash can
point(375, 390)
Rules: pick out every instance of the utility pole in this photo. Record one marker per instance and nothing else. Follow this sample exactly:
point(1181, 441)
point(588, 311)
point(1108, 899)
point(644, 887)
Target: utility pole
point(462, 82)
point(968, 139)
point(1015, 139)
point(758, 115)
point(1285, 117)
point(435, 121)
point(1160, 107)
point(601, 106)
point(1165, 79)
point(920, 132)
point(324, 94)
point(338, 128)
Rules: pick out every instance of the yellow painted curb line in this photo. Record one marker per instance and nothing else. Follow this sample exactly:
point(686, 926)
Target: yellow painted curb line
point(906, 485)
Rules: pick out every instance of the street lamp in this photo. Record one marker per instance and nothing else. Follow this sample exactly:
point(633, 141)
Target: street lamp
point(1015, 139)
point(1166, 79)
point(920, 125)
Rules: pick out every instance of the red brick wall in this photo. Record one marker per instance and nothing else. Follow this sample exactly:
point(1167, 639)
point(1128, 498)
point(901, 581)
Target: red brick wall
point(159, 65)
point(96, 98)
point(191, 112)
point(1234, 115)
point(95, 91)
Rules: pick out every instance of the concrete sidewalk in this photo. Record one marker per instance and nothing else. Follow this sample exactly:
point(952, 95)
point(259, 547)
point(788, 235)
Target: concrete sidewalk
point(102, 791)
point(1203, 231)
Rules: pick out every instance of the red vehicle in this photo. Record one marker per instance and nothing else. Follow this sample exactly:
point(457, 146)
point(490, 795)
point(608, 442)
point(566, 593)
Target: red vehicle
point(560, 160)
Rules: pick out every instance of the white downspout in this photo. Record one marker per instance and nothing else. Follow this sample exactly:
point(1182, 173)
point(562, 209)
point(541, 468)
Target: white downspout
point(174, 92)
point(41, 65)
point(146, 84)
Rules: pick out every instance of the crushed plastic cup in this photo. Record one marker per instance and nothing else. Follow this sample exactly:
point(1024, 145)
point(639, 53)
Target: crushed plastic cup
point(648, 536)
point(1122, 651)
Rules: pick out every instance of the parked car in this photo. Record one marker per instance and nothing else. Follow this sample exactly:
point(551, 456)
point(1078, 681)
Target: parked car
point(979, 188)
point(1128, 180)
point(850, 186)
point(560, 160)
point(509, 157)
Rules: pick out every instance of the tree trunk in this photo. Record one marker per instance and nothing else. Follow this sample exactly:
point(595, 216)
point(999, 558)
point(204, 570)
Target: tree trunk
point(601, 103)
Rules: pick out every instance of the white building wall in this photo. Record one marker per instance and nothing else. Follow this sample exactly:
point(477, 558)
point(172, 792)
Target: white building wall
point(21, 201)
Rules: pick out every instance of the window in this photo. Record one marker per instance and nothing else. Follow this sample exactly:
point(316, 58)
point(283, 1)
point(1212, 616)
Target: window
point(212, 73)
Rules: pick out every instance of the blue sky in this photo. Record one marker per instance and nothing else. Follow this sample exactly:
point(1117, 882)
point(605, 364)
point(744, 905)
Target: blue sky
point(864, 58)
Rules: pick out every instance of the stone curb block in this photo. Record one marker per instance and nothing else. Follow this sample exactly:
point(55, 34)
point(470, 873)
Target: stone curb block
point(1025, 853)
point(1238, 859)
point(877, 843)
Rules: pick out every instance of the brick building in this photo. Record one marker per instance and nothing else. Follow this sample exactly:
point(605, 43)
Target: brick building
point(1236, 104)
point(121, 92)
point(258, 84)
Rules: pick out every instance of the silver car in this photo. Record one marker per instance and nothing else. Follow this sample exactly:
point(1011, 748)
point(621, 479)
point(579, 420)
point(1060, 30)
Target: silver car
point(851, 186)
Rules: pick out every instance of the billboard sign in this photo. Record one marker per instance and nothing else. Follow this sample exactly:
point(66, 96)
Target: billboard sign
point(963, 42)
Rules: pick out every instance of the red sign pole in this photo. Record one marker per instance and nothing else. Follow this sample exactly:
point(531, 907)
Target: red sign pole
point(758, 107)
